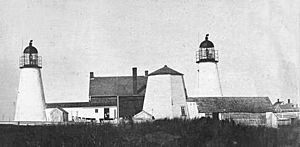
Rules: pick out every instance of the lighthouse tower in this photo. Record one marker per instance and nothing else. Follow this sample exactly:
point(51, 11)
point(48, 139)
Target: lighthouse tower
point(208, 75)
point(165, 94)
point(30, 105)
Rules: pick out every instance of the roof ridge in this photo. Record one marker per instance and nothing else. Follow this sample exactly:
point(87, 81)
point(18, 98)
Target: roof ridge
point(233, 104)
point(165, 71)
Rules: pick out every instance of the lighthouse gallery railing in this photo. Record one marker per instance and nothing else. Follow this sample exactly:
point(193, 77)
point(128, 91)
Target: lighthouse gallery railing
point(30, 61)
point(207, 55)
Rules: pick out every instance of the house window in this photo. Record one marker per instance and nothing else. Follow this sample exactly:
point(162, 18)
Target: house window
point(96, 110)
point(183, 111)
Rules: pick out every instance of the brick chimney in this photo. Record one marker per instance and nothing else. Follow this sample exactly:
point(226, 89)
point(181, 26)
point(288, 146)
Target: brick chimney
point(278, 100)
point(91, 74)
point(146, 73)
point(289, 101)
point(134, 80)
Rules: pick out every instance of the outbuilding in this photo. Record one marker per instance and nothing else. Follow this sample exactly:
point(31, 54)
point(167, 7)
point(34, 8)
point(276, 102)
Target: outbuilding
point(255, 111)
point(59, 115)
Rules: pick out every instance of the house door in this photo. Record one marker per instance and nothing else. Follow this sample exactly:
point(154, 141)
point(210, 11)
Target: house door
point(106, 113)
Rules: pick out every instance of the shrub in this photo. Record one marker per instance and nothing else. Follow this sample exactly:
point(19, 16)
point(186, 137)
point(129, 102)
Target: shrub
point(175, 132)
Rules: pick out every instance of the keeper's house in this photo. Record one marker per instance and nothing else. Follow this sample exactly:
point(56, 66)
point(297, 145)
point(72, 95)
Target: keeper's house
point(255, 111)
point(287, 113)
point(109, 98)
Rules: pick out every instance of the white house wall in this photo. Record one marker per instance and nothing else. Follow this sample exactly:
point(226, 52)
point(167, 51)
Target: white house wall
point(208, 80)
point(193, 110)
point(30, 104)
point(254, 119)
point(271, 120)
point(288, 115)
point(86, 112)
point(158, 97)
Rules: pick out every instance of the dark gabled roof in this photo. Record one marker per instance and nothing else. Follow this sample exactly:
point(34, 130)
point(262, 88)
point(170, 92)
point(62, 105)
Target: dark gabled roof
point(116, 86)
point(232, 104)
point(286, 106)
point(165, 71)
point(98, 102)
point(289, 107)
point(64, 105)
point(278, 103)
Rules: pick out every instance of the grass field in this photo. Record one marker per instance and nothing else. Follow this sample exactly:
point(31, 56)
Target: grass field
point(176, 132)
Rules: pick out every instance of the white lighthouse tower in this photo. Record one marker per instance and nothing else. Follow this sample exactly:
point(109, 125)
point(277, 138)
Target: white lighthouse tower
point(30, 105)
point(208, 75)
point(165, 94)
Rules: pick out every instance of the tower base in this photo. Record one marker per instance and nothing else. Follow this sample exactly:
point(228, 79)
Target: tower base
point(208, 80)
point(30, 104)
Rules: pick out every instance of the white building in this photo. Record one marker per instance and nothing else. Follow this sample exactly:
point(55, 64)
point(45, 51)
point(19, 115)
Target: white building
point(83, 111)
point(58, 115)
point(165, 95)
point(30, 104)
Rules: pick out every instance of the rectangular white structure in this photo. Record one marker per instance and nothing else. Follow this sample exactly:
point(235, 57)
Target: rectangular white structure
point(88, 113)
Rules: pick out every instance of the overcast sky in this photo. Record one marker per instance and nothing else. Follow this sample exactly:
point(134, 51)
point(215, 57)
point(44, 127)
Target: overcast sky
point(258, 43)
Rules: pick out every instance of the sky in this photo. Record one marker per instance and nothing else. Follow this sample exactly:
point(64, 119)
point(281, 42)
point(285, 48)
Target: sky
point(258, 43)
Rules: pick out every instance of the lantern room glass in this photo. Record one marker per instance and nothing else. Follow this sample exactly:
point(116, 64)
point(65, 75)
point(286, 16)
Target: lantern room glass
point(207, 55)
point(30, 60)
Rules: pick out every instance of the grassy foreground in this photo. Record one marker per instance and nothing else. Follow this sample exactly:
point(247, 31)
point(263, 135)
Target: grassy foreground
point(176, 132)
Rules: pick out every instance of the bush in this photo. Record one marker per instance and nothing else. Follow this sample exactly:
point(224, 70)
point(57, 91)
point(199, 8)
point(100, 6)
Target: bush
point(175, 132)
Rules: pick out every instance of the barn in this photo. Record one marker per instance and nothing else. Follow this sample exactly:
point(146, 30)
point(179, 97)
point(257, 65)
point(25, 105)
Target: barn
point(254, 111)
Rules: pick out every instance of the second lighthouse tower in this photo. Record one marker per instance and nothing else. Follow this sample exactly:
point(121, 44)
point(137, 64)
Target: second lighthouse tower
point(209, 84)
point(30, 105)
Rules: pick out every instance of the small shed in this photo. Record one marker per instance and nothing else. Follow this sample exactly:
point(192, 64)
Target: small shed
point(143, 116)
point(58, 115)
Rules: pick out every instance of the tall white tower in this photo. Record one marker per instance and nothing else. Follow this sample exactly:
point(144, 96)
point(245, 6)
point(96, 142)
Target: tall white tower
point(30, 105)
point(166, 94)
point(208, 75)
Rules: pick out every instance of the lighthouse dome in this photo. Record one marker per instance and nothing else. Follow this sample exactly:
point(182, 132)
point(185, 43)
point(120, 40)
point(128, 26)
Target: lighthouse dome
point(206, 43)
point(30, 49)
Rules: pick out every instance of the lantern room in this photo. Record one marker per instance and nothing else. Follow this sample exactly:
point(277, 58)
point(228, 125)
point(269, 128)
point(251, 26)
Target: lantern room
point(30, 57)
point(207, 52)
